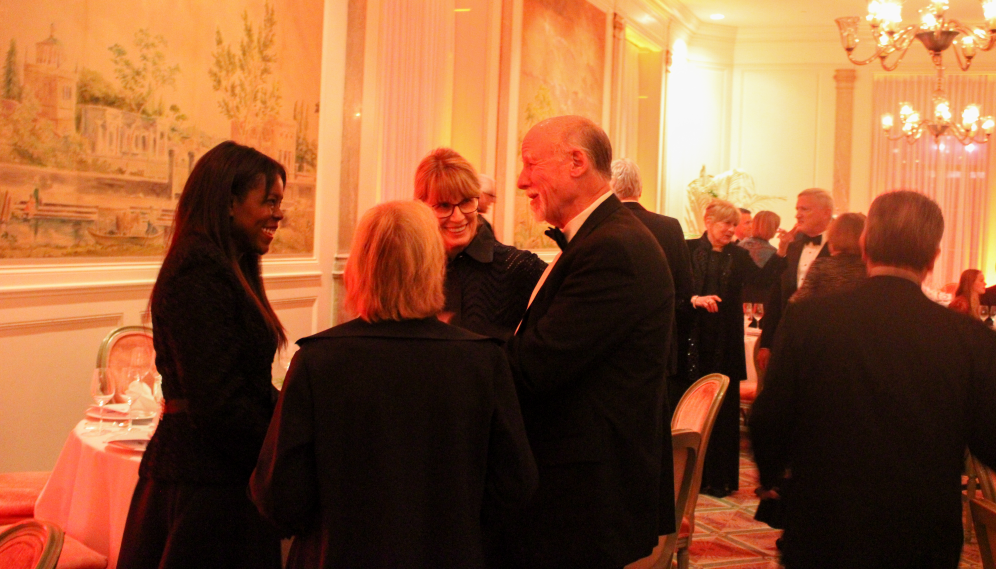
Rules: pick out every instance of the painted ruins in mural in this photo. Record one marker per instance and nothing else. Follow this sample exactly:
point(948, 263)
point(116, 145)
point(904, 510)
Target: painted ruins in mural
point(105, 107)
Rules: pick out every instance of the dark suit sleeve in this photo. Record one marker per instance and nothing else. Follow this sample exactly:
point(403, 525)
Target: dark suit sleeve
point(679, 261)
point(284, 485)
point(511, 477)
point(772, 315)
point(591, 313)
point(772, 417)
point(982, 433)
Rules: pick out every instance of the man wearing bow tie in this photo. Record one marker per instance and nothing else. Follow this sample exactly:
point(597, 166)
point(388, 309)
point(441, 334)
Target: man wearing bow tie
point(800, 246)
point(589, 360)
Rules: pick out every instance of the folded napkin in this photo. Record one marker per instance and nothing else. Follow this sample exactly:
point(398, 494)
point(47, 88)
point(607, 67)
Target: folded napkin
point(143, 398)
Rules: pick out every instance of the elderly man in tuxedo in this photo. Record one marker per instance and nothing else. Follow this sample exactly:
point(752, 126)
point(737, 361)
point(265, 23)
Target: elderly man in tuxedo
point(628, 187)
point(589, 361)
point(872, 409)
point(800, 247)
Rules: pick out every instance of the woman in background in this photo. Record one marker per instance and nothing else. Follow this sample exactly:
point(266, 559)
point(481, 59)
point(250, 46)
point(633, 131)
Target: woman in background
point(763, 228)
point(215, 337)
point(716, 344)
point(488, 284)
point(844, 269)
point(971, 286)
point(395, 434)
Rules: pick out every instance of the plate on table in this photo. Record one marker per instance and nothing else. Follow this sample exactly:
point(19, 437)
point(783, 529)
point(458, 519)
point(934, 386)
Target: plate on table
point(94, 413)
point(131, 445)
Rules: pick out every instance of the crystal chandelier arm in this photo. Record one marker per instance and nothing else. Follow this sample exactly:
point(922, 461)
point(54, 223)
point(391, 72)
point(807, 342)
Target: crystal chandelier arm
point(900, 43)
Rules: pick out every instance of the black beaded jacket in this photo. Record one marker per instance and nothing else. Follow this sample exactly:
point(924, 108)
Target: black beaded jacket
point(488, 285)
point(214, 352)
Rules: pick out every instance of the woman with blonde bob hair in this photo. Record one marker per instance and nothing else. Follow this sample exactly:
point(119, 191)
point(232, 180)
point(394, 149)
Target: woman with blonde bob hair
point(396, 265)
point(720, 269)
point(394, 416)
point(488, 284)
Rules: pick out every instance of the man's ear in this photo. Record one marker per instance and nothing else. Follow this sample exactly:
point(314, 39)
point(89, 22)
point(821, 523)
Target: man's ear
point(579, 161)
point(930, 266)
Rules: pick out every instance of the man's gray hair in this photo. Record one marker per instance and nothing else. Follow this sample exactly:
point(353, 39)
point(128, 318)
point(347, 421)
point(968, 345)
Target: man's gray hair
point(904, 229)
point(822, 197)
point(487, 184)
point(626, 179)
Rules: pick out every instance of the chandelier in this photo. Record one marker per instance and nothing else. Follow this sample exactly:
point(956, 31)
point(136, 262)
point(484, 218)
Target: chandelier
point(971, 129)
point(936, 32)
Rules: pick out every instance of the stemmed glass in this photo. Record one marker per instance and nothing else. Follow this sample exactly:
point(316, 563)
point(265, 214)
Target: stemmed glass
point(102, 391)
point(759, 313)
point(748, 315)
point(984, 312)
point(134, 377)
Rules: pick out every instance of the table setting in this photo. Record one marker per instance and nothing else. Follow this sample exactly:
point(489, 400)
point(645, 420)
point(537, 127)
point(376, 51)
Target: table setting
point(90, 489)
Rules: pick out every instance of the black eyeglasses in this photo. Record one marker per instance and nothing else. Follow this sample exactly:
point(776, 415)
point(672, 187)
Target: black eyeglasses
point(444, 210)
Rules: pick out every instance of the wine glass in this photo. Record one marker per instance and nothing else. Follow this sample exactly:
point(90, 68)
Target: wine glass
point(983, 312)
point(134, 376)
point(759, 313)
point(141, 358)
point(748, 314)
point(102, 391)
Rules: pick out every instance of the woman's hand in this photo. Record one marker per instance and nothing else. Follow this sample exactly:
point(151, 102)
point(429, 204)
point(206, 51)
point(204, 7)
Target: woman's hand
point(710, 302)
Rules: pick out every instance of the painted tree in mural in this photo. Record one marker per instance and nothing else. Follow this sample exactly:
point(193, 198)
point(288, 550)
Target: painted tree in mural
point(250, 94)
point(11, 85)
point(306, 149)
point(144, 78)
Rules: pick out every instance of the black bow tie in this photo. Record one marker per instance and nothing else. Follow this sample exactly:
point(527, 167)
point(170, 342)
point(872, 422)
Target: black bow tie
point(557, 236)
point(815, 240)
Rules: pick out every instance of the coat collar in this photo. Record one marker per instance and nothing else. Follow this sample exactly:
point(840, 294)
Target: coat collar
point(601, 212)
point(424, 329)
point(482, 247)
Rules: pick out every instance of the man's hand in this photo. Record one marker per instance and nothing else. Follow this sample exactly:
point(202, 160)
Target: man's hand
point(763, 355)
point(785, 238)
point(710, 302)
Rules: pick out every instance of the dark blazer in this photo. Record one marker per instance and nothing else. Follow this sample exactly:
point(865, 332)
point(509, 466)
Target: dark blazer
point(989, 299)
point(871, 398)
point(214, 352)
point(783, 290)
point(389, 444)
point(667, 231)
point(488, 285)
point(589, 362)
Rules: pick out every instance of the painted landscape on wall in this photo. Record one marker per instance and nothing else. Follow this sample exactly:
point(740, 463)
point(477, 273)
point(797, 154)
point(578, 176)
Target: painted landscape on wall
point(105, 106)
point(562, 73)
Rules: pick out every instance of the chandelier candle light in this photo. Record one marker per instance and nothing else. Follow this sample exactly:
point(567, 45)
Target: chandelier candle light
point(937, 33)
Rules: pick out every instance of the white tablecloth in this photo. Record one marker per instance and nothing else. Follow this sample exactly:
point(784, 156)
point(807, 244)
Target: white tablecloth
point(90, 489)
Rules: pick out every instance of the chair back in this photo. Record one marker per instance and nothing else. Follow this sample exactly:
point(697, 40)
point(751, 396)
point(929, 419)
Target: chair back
point(984, 520)
point(697, 412)
point(685, 448)
point(987, 478)
point(31, 544)
point(126, 347)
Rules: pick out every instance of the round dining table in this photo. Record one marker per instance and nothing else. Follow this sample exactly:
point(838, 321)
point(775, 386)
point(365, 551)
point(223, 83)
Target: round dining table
point(90, 489)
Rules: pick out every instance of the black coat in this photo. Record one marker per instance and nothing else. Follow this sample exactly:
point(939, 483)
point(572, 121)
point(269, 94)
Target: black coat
point(390, 444)
point(871, 398)
point(783, 290)
point(667, 231)
point(488, 285)
point(214, 351)
point(589, 362)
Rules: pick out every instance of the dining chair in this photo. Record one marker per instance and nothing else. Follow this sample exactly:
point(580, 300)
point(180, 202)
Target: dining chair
point(72, 554)
point(697, 412)
point(18, 493)
point(984, 520)
point(118, 349)
point(31, 544)
point(684, 447)
point(986, 477)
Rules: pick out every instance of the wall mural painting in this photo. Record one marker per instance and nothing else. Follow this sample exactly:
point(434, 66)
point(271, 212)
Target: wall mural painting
point(563, 72)
point(105, 106)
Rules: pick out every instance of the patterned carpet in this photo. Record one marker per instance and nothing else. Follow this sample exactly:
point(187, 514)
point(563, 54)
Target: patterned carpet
point(726, 534)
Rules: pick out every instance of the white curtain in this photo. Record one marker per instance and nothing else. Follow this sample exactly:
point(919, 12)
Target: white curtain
point(955, 176)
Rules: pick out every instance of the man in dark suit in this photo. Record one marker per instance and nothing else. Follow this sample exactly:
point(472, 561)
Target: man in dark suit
point(870, 400)
point(800, 247)
point(628, 187)
point(588, 360)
